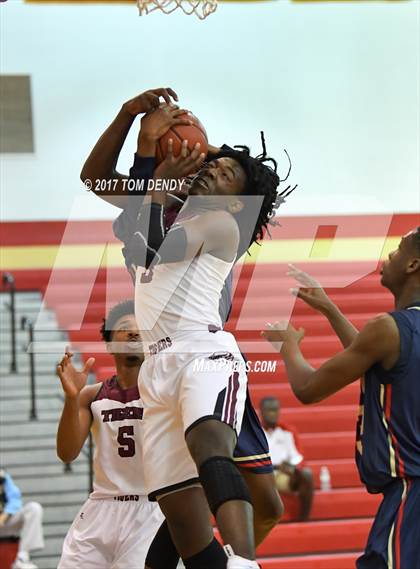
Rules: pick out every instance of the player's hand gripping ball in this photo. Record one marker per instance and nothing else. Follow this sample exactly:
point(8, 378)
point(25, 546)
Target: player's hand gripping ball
point(194, 133)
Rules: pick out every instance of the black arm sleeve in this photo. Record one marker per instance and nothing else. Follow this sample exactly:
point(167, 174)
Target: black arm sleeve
point(151, 243)
point(124, 225)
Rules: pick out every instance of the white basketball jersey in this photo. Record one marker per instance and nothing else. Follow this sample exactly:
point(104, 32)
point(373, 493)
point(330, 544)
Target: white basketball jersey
point(180, 297)
point(117, 430)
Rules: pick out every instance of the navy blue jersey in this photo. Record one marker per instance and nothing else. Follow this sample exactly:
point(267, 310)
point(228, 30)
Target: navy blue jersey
point(388, 430)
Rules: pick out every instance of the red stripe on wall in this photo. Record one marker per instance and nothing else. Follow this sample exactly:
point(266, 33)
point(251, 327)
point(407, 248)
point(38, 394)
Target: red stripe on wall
point(51, 232)
point(296, 227)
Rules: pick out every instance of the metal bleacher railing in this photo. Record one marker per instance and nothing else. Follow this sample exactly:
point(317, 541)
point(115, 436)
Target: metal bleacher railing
point(26, 323)
point(9, 280)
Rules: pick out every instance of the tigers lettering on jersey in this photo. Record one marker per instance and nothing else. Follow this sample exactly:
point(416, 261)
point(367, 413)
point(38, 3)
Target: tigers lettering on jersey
point(122, 414)
point(117, 429)
point(160, 345)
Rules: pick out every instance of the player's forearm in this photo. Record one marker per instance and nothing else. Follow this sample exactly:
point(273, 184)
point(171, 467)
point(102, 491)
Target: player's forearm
point(314, 385)
point(341, 325)
point(101, 162)
point(69, 436)
point(299, 372)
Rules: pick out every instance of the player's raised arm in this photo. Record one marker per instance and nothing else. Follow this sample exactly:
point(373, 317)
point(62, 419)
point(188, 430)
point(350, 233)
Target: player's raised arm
point(214, 232)
point(76, 417)
point(378, 342)
point(315, 296)
point(101, 162)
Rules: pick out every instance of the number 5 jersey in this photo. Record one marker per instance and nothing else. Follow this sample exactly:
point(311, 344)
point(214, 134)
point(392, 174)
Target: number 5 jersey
point(117, 430)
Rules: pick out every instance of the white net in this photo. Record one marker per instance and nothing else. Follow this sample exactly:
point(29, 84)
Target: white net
point(201, 8)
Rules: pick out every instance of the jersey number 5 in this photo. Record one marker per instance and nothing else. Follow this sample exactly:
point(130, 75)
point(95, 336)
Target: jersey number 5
point(126, 440)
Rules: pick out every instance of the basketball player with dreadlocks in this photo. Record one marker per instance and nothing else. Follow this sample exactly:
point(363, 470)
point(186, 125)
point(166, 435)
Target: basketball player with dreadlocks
point(116, 135)
point(192, 420)
point(386, 354)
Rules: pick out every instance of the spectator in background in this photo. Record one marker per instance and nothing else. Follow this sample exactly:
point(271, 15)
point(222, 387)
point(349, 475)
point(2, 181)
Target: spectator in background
point(290, 476)
point(18, 519)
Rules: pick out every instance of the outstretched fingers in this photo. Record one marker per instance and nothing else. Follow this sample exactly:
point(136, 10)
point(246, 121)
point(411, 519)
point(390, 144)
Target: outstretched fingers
point(302, 277)
point(89, 365)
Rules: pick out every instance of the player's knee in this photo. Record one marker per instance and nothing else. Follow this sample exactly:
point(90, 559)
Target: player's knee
point(33, 510)
point(274, 509)
point(222, 482)
point(210, 438)
point(270, 511)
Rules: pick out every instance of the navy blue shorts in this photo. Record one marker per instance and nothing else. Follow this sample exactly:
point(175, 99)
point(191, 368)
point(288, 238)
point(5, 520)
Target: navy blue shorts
point(251, 450)
point(394, 540)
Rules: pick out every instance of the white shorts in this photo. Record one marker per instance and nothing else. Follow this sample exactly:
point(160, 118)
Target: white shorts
point(111, 534)
point(196, 376)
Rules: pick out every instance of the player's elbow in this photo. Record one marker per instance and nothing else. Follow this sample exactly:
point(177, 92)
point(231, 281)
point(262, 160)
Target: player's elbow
point(305, 395)
point(67, 455)
point(86, 172)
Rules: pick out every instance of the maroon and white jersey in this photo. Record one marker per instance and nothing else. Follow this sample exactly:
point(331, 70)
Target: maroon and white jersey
point(117, 429)
point(180, 297)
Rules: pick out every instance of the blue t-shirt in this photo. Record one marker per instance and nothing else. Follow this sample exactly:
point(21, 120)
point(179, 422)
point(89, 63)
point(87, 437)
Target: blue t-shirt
point(388, 430)
point(11, 501)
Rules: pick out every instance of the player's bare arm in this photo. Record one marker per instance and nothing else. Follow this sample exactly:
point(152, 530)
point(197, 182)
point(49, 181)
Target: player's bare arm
point(76, 418)
point(315, 296)
point(101, 162)
point(378, 342)
point(214, 232)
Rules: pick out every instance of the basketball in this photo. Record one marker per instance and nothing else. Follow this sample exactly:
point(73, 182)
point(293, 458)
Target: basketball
point(193, 133)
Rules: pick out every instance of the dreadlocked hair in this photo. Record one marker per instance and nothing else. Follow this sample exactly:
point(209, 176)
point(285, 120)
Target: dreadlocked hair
point(263, 181)
point(124, 308)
